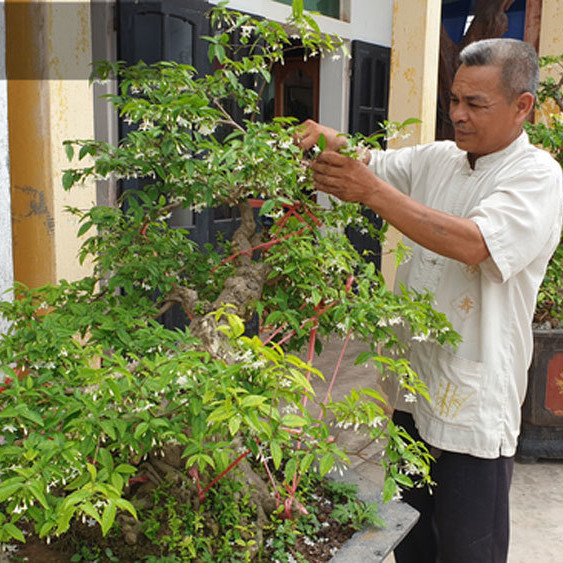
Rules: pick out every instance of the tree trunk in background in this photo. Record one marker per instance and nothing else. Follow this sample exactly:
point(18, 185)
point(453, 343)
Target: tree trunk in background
point(490, 21)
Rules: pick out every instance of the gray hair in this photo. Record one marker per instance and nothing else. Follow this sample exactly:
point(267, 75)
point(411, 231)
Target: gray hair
point(517, 60)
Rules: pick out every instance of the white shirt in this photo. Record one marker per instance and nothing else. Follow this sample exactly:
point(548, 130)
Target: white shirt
point(515, 197)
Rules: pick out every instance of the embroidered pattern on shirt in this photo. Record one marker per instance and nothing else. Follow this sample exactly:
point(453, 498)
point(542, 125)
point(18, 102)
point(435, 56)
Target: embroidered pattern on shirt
point(450, 400)
point(470, 271)
point(465, 305)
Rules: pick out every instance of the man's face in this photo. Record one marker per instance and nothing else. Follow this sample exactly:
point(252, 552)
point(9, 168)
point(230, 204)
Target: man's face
point(484, 120)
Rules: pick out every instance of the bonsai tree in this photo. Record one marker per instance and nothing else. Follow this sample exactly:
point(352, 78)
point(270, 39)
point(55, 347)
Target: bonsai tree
point(106, 412)
point(549, 134)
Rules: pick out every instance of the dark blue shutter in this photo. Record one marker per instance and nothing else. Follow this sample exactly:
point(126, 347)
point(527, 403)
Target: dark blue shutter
point(369, 100)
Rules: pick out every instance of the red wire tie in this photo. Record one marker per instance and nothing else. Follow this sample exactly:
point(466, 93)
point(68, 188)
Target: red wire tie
point(219, 477)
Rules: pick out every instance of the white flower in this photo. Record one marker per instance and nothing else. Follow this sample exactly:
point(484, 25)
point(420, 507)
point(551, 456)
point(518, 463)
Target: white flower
point(410, 398)
point(146, 125)
point(308, 541)
point(246, 30)
point(205, 129)
point(420, 337)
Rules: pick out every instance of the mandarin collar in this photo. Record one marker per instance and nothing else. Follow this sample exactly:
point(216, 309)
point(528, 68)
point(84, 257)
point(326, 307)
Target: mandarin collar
point(487, 161)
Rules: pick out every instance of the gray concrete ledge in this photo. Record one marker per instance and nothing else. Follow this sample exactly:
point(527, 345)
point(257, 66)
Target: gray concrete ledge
point(373, 545)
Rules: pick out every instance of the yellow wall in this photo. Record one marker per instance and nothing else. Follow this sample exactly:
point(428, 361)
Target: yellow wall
point(414, 84)
point(551, 43)
point(48, 51)
point(551, 31)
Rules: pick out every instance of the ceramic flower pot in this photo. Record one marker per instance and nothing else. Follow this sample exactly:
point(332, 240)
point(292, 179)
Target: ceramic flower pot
point(542, 412)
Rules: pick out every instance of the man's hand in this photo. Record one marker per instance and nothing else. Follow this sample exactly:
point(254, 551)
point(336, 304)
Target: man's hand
point(343, 177)
point(309, 132)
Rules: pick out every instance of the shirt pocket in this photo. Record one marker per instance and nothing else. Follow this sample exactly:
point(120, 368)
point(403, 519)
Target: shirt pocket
point(454, 384)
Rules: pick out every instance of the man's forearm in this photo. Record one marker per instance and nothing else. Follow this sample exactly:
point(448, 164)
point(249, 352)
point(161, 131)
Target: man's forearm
point(455, 237)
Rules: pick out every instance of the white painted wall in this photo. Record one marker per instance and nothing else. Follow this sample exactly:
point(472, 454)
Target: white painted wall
point(6, 264)
point(367, 20)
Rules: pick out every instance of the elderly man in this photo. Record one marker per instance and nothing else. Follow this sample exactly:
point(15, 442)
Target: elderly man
point(483, 216)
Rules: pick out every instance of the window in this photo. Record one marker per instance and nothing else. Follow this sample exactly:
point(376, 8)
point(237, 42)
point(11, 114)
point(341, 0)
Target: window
point(329, 8)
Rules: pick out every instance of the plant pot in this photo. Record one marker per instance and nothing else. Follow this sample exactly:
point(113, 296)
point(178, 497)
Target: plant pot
point(541, 433)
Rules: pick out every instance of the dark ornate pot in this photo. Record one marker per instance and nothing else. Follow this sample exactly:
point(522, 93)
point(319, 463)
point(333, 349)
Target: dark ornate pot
point(542, 412)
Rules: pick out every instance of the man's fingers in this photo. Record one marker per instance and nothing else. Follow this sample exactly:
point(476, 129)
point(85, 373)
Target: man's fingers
point(331, 158)
point(307, 134)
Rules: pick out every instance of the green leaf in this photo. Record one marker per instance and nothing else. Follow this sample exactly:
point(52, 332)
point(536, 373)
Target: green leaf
point(236, 325)
point(403, 479)
point(326, 463)
point(92, 470)
point(84, 150)
point(115, 390)
point(363, 358)
point(234, 425)
point(84, 228)
point(69, 151)
point(293, 421)
point(30, 415)
point(290, 469)
point(306, 462)
point(45, 529)
point(37, 491)
point(252, 401)
point(68, 179)
point(8, 489)
point(13, 531)
point(106, 459)
point(389, 489)
point(108, 428)
point(321, 143)
point(126, 469)
point(88, 508)
point(125, 505)
point(117, 481)
point(108, 517)
point(267, 207)
point(276, 451)
point(141, 429)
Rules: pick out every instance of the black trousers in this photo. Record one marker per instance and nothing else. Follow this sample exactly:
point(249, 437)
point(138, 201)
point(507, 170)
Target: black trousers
point(465, 519)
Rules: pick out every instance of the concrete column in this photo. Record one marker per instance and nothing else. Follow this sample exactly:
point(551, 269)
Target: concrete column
point(550, 43)
point(414, 84)
point(6, 265)
point(49, 101)
point(551, 30)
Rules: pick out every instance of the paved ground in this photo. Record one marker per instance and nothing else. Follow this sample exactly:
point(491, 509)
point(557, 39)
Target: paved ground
point(537, 490)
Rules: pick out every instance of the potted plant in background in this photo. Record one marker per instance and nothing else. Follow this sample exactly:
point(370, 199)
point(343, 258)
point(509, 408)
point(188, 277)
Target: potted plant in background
point(542, 412)
point(127, 440)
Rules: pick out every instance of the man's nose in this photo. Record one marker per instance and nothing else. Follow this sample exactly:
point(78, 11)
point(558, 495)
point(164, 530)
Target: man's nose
point(458, 113)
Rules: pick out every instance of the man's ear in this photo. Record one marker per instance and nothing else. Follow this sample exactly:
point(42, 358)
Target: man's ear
point(525, 104)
